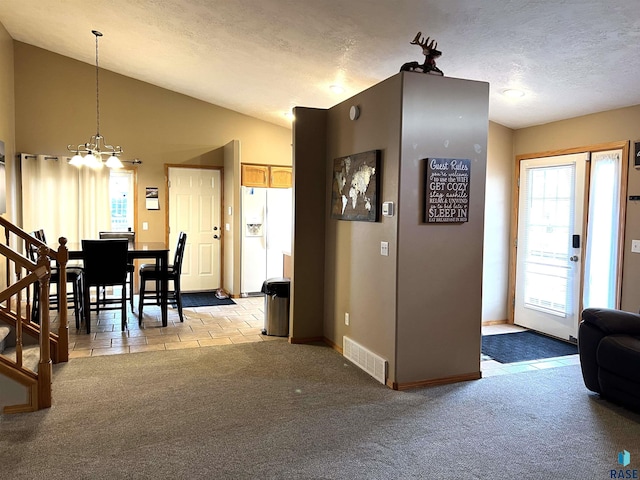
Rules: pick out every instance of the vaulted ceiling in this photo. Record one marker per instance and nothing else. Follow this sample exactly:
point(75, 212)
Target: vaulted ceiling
point(263, 57)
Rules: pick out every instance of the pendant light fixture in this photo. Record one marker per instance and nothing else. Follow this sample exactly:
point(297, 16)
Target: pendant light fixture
point(96, 147)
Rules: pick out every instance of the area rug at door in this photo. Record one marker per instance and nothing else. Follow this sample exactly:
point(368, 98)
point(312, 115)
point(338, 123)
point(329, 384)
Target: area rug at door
point(523, 346)
point(203, 299)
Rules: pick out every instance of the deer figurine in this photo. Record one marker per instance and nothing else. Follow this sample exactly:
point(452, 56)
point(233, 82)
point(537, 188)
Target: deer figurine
point(429, 49)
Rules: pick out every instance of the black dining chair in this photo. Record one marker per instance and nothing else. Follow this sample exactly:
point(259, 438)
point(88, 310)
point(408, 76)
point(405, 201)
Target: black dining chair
point(75, 277)
point(131, 238)
point(105, 265)
point(151, 272)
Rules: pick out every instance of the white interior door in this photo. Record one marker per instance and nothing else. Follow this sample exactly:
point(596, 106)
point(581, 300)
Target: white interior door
point(548, 268)
point(194, 207)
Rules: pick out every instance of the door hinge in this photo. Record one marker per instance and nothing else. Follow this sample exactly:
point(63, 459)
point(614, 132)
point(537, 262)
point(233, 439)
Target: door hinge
point(515, 242)
point(169, 183)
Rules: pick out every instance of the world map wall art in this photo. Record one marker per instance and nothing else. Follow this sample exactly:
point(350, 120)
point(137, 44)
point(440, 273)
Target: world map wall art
point(356, 180)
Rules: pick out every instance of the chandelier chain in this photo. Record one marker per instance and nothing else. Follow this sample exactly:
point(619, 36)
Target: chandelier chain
point(92, 152)
point(97, 87)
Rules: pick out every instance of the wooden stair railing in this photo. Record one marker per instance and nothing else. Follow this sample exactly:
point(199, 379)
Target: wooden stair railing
point(15, 310)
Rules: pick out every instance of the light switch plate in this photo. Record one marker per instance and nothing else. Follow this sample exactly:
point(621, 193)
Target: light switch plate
point(384, 249)
point(145, 225)
point(635, 246)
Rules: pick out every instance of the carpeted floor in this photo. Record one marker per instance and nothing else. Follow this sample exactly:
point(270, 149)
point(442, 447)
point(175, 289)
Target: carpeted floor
point(523, 346)
point(203, 299)
point(279, 411)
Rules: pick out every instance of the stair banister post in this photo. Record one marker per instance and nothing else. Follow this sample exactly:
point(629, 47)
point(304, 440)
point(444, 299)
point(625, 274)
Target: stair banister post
point(63, 329)
point(8, 270)
point(19, 319)
point(45, 369)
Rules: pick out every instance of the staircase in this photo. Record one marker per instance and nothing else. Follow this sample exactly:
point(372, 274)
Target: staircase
point(14, 395)
point(28, 348)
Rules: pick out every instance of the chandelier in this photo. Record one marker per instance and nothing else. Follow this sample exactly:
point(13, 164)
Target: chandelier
point(96, 147)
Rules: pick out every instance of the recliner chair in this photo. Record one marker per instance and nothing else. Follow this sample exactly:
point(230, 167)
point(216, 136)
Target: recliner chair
point(609, 347)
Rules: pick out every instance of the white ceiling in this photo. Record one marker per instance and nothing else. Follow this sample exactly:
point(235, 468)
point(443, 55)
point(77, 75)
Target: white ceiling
point(263, 57)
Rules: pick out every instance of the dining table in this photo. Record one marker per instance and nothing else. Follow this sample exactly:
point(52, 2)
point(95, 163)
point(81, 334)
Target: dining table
point(158, 251)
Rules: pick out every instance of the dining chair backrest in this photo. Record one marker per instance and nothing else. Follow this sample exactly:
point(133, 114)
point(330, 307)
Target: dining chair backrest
point(105, 261)
point(177, 259)
point(39, 234)
point(32, 250)
point(129, 236)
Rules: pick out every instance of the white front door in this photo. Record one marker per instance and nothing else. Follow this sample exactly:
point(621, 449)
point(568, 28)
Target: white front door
point(549, 244)
point(194, 208)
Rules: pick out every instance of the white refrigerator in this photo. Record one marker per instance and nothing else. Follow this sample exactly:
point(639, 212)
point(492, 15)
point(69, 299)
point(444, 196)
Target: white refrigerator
point(266, 235)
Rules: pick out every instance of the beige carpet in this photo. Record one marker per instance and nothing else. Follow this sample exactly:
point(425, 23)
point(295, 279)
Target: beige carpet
point(274, 410)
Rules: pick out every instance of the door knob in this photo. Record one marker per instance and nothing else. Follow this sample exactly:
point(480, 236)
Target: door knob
point(574, 258)
point(216, 237)
point(215, 228)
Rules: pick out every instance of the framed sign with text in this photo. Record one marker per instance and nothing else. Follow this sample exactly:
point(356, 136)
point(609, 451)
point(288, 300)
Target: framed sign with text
point(447, 190)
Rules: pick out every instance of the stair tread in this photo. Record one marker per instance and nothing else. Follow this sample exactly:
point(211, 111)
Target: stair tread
point(30, 356)
point(4, 332)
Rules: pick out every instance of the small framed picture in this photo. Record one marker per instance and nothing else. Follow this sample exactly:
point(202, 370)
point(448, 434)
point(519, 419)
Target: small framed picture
point(152, 198)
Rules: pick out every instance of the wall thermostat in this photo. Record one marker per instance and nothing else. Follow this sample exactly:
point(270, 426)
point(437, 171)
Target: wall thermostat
point(387, 209)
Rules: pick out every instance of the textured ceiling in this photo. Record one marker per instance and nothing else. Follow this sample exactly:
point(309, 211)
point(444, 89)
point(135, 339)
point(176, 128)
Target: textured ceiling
point(263, 57)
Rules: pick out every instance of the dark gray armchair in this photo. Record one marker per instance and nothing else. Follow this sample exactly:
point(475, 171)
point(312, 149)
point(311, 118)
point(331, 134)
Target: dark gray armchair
point(609, 346)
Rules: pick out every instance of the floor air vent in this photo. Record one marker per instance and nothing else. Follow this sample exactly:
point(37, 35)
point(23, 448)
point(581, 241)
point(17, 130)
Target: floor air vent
point(365, 359)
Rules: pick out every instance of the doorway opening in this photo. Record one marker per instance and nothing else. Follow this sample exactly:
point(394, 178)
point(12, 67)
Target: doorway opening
point(195, 207)
point(567, 241)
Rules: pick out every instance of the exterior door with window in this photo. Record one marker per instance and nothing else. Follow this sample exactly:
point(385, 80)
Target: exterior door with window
point(549, 244)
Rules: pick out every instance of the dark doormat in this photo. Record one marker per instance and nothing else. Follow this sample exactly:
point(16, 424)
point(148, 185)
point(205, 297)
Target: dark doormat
point(523, 346)
point(204, 299)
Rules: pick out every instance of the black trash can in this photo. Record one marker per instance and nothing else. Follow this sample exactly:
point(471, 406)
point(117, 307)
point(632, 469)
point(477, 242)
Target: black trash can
point(276, 306)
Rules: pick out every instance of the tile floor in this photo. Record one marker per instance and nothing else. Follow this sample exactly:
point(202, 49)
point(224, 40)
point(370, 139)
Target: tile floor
point(224, 325)
point(203, 326)
point(491, 368)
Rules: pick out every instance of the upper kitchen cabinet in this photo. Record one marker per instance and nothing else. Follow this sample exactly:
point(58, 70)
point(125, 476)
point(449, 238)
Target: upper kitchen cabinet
point(266, 176)
point(255, 175)
point(280, 177)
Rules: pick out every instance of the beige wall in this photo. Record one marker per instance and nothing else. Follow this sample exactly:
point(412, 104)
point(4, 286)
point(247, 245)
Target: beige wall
point(358, 280)
point(404, 307)
point(232, 181)
point(611, 126)
point(7, 110)
point(497, 221)
point(439, 305)
point(308, 229)
point(55, 106)
point(7, 123)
